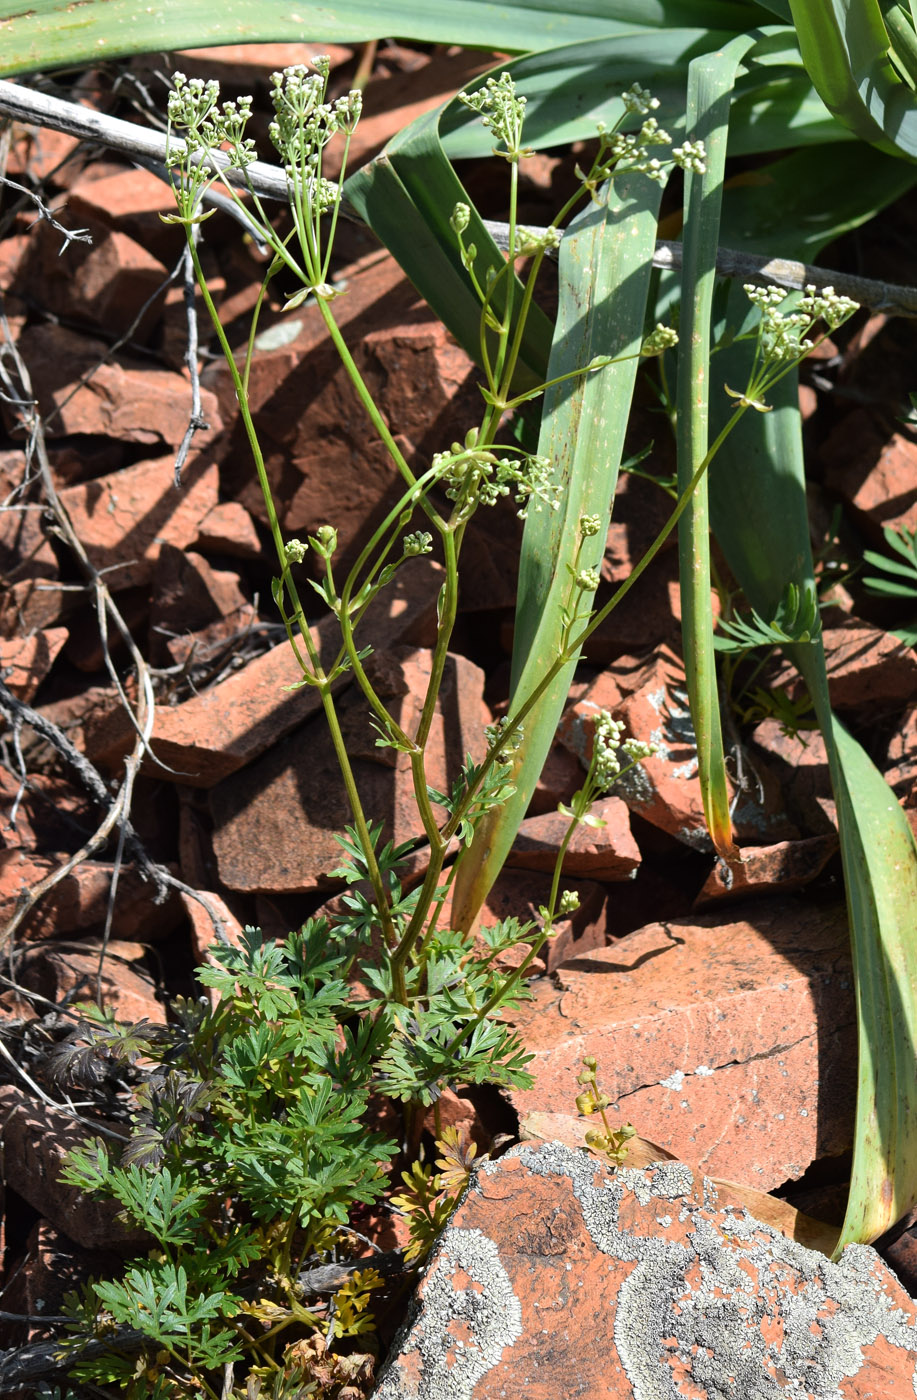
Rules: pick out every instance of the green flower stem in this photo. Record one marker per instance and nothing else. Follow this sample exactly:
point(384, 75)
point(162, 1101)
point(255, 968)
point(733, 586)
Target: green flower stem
point(447, 608)
point(418, 918)
point(349, 621)
point(318, 675)
point(571, 649)
point(366, 399)
point(362, 828)
point(255, 447)
point(342, 176)
point(515, 348)
point(253, 327)
point(500, 359)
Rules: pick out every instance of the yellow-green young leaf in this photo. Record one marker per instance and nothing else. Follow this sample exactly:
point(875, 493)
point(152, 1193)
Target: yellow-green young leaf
point(605, 264)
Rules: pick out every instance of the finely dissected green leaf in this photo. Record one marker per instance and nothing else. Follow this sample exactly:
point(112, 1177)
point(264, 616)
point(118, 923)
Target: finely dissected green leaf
point(50, 33)
point(710, 80)
point(604, 279)
point(845, 45)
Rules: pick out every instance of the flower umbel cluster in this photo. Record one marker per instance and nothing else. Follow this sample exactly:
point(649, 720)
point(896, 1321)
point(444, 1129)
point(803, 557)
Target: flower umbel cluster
point(784, 333)
point(502, 111)
point(194, 110)
point(608, 747)
point(631, 150)
point(477, 476)
point(639, 100)
point(658, 341)
point(605, 767)
point(304, 123)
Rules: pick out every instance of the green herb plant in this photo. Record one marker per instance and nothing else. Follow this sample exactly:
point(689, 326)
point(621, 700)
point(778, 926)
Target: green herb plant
point(252, 1146)
point(898, 578)
point(612, 1142)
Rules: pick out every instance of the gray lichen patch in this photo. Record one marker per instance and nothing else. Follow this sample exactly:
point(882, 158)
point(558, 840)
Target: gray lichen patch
point(702, 1310)
point(460, 1333)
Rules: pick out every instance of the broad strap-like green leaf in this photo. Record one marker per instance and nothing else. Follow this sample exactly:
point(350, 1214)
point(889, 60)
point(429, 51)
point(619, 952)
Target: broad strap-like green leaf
point(605, 267)
point(53, 33)
point(759, 513)
point(845, 46)
point(710, 81)
point(570, 88)
point(407, 195)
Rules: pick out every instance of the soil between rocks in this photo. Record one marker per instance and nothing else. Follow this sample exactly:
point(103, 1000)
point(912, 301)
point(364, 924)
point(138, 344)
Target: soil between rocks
point(246, 808)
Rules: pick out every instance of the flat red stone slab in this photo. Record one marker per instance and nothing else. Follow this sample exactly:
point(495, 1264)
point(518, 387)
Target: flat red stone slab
point(557, 1278)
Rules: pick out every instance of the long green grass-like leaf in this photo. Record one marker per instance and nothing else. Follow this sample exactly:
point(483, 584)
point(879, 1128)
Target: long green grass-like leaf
point(605, 267)
point(407, 195)
point(845, 46)
point(766, 546)
point(570, 88)
point(710, 82)
point(53, 33)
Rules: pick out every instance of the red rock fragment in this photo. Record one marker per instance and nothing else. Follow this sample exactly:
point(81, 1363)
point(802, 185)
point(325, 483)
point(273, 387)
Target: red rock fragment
point(106, 283)
point(85, 650)
point(556, 1276)
point(78, 713)
point(800, 762)
point(127, 399)
point(76, 972)
point(80, 899)
point(211, 736)
point(188, 594)
point(229, 529)
point(25, 663)
point(130, 200)
point(275, 824)
point(729, 1041)
point(30, 604)
point(901, 772)
point(204, 933)
point(866, 666)
point(606, 852)
point(25, 550)
point(124, 519)
point(876, 476)
point(36, 1138)
point(767, 870)
point(50, 1267)
point(38, 151)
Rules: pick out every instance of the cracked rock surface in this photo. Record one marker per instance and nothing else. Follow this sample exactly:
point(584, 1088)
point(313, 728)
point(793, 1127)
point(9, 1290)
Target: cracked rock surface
point(558, 1277)
point(729, 1041)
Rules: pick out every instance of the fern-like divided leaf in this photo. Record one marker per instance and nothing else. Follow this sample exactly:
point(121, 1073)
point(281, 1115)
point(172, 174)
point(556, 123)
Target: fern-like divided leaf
point(796, 620)
point(903, 571)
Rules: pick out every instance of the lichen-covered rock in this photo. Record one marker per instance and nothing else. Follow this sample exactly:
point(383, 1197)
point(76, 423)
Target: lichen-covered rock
point(557, 1277)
